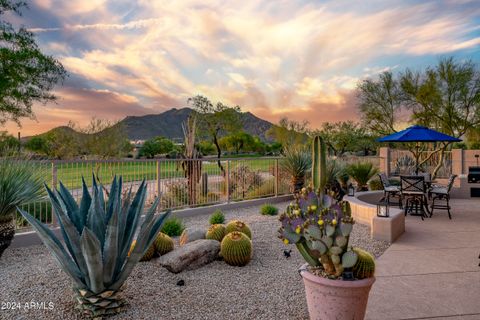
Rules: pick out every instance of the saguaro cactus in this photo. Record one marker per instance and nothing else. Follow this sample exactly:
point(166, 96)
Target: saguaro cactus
point(319, 165)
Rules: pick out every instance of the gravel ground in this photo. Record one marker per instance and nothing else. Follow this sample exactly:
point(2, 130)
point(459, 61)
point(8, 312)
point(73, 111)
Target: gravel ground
point(268, 288)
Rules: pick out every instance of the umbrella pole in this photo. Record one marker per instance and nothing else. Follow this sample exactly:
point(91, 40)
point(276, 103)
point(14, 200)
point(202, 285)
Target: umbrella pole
point(417, 156)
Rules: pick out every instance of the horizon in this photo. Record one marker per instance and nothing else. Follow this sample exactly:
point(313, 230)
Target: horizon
point(299, 60)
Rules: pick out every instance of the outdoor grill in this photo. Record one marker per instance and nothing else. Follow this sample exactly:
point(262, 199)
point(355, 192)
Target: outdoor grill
point(473, 175)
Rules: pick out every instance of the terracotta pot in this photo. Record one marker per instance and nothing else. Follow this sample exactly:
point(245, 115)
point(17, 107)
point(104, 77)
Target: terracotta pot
point(335, 299)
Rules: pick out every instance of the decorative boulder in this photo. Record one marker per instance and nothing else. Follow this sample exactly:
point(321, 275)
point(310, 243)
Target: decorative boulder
point(190, 256)
point(190, 234)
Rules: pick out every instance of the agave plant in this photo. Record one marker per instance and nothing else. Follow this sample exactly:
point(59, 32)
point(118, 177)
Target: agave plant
point(20, 182)
point(362, 172)
point(97, 236)
point(297, 163)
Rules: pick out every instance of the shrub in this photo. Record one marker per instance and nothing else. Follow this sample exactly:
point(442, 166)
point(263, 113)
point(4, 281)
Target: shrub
point(217, 217)
point(173, 227)
point(244, 180)
point(268, 210)
point(176, 195)
point(362, 172)
point(375, 184)
point(266, 189)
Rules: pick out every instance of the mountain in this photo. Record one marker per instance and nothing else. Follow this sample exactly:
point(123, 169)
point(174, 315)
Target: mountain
point(169, 124)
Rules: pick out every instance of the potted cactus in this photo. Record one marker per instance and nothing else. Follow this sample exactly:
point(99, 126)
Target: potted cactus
point(337, 277)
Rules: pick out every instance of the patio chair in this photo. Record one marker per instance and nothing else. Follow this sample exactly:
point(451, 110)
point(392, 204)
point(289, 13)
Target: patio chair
point(442, 193)
point(413, 190)
point(390, 191)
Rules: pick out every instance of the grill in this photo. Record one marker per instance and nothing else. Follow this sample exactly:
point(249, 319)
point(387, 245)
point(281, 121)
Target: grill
point(473, 175)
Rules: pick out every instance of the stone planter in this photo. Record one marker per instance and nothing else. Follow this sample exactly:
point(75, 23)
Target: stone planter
point(335, 299)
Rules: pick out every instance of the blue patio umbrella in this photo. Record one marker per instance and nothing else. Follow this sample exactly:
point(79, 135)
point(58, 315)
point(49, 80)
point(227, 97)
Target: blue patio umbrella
point(418, 134)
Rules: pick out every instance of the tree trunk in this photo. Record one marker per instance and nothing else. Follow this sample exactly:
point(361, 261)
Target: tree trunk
point(439, 164)
point(219, 154)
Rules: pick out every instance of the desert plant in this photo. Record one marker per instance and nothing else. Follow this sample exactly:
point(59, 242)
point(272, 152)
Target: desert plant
point(215, 232)
point(176, 196)
point(217, 217)
point(244, 181)
point(163, 244)
point(236, 249)
point(191, 166)
point(405, 165)
point(97, 236)
point(147, 256)
point(375, 184)
point(20, 182)
point(173, 227)
point(267, 188)
point(319, 225)
point(296, 164)
point(268, 210)
point(365, 265)
point(362, 172)
point(240, 226)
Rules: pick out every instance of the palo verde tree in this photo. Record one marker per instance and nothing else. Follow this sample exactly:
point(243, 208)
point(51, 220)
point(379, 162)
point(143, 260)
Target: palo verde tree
point(290, 133)
point(445, 97)
point(215, 120)
point(26, 74)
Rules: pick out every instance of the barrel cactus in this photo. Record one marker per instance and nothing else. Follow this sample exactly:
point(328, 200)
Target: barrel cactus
point(365, 265)
point(236, 249)
point(163, 244)
point(215, 232)
point(147, 256)
point(240, 226)
point(97, 237)
point(319, 225)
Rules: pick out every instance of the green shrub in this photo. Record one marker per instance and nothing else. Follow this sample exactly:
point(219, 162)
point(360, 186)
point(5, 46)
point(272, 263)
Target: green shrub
point(268, 210)
point(173, 227)
point(217, 217)
point(375, 184)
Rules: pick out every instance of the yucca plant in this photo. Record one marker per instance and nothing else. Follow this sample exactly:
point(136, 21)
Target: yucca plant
point(20, 182)
point(362, 172)
point(97, 237)
point(296, 164)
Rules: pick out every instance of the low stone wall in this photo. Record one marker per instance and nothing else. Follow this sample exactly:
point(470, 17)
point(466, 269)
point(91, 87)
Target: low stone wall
point(364, 210)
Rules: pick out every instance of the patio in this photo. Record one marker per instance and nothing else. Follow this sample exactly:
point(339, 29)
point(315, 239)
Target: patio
point(431, 271)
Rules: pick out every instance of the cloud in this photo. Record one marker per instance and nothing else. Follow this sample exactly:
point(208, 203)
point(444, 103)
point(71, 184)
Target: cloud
point(295, 58)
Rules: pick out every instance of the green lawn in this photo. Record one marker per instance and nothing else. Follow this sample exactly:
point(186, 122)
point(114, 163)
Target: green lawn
point(71, 173)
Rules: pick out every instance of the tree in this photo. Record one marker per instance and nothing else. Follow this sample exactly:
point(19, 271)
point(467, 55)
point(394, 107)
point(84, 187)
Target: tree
point(26, 74)
point(445, 97)
point(38, 144)
point(290, 133)
point(157, 145)
point(8, 143)
point(215, 120)
point(347, 136)
point(103, 138)
point(238, 141)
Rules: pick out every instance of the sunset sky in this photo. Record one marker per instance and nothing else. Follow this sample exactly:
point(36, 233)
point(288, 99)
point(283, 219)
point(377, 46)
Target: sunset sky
point(300, 59)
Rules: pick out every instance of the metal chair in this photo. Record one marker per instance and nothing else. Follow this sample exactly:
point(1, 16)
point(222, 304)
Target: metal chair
point(413, 190)
point(390, 191)
point(442, 193)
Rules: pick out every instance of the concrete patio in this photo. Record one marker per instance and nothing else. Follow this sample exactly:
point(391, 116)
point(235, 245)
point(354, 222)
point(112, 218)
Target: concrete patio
point(432, 271)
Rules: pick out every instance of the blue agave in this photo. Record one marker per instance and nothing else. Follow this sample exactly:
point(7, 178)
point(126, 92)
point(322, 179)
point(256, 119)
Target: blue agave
point(97, 236)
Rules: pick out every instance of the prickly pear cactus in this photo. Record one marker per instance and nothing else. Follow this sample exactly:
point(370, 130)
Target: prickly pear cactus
point(319, 225)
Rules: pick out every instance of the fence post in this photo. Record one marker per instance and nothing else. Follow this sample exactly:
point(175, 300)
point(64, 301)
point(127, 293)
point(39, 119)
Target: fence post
point(276, 177)
point(385, 159)
point(159, 178)
point(54, 188)
point(227, 179)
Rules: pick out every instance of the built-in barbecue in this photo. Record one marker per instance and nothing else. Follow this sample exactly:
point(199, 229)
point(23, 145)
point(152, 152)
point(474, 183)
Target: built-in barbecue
point(473, 175)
